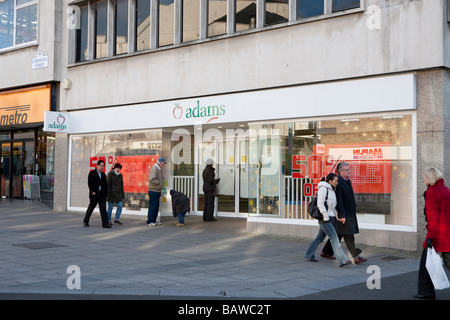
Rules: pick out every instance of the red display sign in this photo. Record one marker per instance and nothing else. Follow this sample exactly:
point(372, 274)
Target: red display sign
point(370, 166)
point(135, 170)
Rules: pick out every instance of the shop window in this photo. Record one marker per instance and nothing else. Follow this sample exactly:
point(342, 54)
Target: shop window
point(166, 22)
point(136, 152)
point(121, 27)
point(245, 15)
point(341, 5)
point(142, 25)
point(45, 160)
point(82, 36)
point(277, 11)
point(217, 17)
point(191, 19)
point(308, 8)
point(19, 19)
point(378, 150)
point(101, 27)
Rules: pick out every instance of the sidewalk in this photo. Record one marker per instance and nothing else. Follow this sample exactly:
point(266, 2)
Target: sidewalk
point(215, 260)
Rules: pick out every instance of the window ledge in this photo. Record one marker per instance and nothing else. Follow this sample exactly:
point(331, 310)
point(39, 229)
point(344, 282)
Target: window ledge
point(20, 47)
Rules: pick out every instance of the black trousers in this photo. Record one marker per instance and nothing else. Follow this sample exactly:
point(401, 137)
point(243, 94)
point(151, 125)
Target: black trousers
point(425, 285)
point(208, 207)
point(349, 240)
point(93, 201)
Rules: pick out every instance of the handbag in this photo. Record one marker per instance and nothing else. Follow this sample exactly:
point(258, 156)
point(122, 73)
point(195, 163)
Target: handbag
point(313, 209)
point(436, 270)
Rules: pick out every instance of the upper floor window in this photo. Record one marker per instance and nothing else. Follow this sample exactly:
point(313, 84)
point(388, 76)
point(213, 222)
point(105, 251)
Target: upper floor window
point(127, 26)
point(18, 22)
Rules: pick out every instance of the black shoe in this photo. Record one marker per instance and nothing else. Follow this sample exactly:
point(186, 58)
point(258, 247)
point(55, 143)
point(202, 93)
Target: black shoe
point(107, 226)
point(421, 296)
point(86, 224)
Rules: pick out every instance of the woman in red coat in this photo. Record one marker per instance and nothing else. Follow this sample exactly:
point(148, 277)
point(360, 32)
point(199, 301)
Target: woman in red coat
point(437, 215)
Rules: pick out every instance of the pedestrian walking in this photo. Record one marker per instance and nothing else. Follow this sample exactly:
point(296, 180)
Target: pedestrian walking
point(326, 202)
point(209, 190)
point(437, 216)
point(180, 206)
point(347, 224)
point(155, 185)
point(116, 192)
point(98, 190)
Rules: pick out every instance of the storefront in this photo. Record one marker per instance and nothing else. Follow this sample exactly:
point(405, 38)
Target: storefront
point(25, 148)
point(270, 148)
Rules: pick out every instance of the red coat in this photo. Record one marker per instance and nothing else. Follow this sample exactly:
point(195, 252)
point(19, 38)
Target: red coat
point(437, 211)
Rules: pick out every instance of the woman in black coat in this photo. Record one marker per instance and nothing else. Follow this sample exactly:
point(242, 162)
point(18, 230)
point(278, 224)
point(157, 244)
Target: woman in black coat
point(116, 192)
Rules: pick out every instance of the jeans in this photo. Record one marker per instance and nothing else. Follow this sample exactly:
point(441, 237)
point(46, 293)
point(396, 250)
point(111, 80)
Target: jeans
point(118, 211)
point(153, 206)
point(180, 216)
point(327, 229)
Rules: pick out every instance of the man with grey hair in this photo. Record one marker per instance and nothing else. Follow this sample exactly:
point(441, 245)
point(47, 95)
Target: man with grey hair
point(347, 223)
point(155, 185)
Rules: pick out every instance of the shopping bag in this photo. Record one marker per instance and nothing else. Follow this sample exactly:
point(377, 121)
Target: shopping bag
point(436, 271)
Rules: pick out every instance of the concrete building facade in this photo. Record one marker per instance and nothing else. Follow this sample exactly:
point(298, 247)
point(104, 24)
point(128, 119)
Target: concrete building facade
point(276, 92)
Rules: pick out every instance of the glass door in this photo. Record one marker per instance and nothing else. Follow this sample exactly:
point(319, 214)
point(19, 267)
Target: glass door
point(231, 166)
point(5, 161)
point(22, 162)
point(16, 169)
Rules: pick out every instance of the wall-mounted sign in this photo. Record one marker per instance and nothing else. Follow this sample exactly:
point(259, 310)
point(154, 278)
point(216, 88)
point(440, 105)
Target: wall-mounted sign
point(56, 121)
point(24, 106)
point(39, 62)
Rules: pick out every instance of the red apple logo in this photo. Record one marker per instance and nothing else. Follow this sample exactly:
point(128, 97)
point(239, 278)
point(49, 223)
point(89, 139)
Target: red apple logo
point(61, 119)
point(177, 111)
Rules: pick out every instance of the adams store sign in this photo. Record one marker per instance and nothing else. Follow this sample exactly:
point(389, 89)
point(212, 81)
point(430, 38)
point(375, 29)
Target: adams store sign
point(24, 106)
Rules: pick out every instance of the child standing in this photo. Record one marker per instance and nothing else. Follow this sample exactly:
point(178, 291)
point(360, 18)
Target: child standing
point(180, 206)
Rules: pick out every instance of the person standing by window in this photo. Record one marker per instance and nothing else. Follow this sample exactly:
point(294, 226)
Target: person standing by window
point(116, 192)
point(155, 185)
point(98, 190)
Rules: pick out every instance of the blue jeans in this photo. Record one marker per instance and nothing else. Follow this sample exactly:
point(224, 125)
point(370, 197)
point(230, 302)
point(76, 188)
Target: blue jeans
point(327, 229)
point(180, 216)
point(118, 211)
point(153, 206)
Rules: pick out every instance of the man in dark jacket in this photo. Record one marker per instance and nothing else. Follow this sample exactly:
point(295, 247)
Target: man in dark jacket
point(98, 190)
point(180, 206)
point(209, 189)
point(347, 224)
point(116, 192)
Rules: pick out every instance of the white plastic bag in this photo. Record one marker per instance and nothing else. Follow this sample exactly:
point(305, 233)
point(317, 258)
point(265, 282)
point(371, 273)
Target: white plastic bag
point(436, 270)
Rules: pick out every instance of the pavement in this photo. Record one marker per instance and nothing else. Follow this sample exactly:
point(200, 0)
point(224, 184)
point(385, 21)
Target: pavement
point(203, 260)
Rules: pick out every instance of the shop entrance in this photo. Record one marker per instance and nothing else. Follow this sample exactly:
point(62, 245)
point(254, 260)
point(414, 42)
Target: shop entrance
point(230, 157)
point(17, 159)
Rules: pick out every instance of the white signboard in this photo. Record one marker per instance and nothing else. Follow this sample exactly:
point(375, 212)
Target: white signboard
point(56, 121)
point(39, 62)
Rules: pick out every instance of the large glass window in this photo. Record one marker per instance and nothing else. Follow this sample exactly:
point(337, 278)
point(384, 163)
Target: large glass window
point(121, 26)
point(142, 25)
point(340, 5)
point(245, 14)
point(166, 22)
point(82, 36)
point(18, 22)
point(307, 8)
point(277, 11)
point(101, 27)
point(217, 17)
point(136, 152)
point(191, 19)
point(378, 150)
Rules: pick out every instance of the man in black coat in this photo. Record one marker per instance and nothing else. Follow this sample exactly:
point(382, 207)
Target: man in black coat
point(347, 224)
point(98, 190)
point(209, 189)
